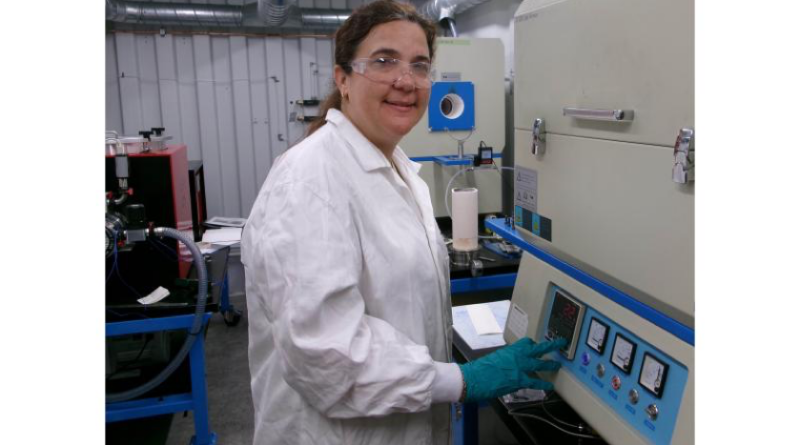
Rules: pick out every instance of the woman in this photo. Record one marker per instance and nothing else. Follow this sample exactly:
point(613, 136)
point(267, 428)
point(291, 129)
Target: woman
point(347, 274)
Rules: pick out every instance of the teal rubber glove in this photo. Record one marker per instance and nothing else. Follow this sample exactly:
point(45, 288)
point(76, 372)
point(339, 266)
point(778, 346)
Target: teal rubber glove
point(506, 370)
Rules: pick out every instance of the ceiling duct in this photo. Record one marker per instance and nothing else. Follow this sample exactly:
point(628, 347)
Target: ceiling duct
point(318, 18)
point(173, 13)
point(444, 12)
point(274, 12)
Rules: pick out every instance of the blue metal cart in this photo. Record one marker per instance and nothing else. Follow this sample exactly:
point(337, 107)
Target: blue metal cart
point(196, 400)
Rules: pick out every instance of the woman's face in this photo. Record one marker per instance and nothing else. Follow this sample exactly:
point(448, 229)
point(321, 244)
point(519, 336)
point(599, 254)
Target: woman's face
point(385, 113)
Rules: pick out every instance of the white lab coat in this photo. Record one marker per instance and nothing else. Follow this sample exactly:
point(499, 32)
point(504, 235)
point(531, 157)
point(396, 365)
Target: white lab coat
point(348, 296)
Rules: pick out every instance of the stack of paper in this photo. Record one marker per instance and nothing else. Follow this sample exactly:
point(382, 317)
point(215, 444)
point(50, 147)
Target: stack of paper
point(481, 325)
point(225, 236)
point(222, 221)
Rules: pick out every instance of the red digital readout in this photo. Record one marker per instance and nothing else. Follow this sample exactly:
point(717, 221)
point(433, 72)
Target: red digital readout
point(569, 312)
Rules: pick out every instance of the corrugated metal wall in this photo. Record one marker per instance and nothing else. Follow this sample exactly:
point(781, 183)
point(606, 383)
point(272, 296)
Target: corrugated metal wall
point(228, 98)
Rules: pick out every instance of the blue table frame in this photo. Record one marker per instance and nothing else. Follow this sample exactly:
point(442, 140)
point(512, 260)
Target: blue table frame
point(488, 282)
point(196, 401)
point(451, 160)
point(230, 314)
point(465, 416)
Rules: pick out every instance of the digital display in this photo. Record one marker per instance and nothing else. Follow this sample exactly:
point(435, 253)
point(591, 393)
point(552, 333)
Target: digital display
point(598, 333)
point(653, 375)
point(565, 322)
point(485, 155)
point(623, 354)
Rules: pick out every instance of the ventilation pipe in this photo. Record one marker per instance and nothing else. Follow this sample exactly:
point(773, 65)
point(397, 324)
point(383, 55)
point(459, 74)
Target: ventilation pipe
point(318, 18)
point(444, 12)
point(274, 12)
point(267, 13)
point(173, 13)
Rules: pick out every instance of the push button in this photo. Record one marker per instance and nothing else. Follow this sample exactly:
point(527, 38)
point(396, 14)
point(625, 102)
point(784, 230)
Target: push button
point(616, 382)
point(601, 370)
point(633, 396)
point(586, 359)
point(652, 411)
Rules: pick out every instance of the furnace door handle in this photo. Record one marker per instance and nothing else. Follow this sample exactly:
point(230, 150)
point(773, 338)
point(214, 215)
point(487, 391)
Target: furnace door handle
point(599, 115)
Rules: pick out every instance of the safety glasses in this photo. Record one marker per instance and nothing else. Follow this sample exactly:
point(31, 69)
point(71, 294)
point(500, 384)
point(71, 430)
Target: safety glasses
point(388, 70)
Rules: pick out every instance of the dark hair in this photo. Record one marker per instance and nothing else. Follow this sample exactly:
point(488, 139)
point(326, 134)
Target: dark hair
point(355, 29)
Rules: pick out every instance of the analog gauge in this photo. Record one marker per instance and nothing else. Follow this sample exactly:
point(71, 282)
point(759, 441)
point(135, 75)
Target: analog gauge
point(653, 374)
point(598, 333)
point(623, 354)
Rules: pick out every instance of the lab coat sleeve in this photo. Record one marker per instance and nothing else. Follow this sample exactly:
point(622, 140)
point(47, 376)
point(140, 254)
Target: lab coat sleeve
point(344, 362)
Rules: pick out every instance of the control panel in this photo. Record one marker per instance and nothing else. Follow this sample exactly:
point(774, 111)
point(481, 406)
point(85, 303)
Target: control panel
point(642, 385)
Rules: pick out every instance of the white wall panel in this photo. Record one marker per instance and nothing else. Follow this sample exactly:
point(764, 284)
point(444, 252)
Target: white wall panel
point(226, 97)
point(129, 84)
point(113, 100)
point(259, 104)
point(168, 86)
point(278, 114)
point(243, 121)
point(187, 97)
point(209, 133)
point(293, 83)
point(223, 91)
point(148, 80)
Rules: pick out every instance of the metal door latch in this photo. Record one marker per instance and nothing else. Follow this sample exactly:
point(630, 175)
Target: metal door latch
point(538, 136)
point(683, 169)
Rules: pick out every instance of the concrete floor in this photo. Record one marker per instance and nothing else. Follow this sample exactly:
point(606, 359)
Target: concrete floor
point(230, 404)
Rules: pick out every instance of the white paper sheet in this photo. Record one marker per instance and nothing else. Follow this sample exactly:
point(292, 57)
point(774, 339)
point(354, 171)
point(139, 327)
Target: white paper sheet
point(518, 322)
point(462, 323)
point(154, 297)
point(226, 221)
point(483, 320)
point(224, 235)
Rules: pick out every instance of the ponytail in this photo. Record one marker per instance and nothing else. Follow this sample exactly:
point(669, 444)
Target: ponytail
point(334, 100)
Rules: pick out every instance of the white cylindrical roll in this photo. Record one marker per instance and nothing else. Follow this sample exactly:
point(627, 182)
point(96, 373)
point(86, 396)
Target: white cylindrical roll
point(465, 219)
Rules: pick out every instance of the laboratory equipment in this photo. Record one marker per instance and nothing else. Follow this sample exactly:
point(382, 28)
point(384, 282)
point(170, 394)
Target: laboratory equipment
point(467, 104)
point(158, 181)
point(136, 182)
point(604, 208)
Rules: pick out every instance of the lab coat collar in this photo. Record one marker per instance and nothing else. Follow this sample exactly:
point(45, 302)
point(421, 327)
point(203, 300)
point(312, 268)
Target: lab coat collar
point(372, 158)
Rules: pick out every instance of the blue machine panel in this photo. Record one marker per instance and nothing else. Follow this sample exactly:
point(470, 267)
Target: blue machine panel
point(681, 331)
point(451, 106)
point(584, 368)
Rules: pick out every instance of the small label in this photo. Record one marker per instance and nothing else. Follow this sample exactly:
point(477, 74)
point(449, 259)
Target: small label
point(649, 425)
point(453, 41)
point(451, 77)
point(526, 17)
point(582, 369)
point(526, 188)
point(630, 409)
point(517, 321)
point(597, 382)
point(612, 394)
point(157, 295)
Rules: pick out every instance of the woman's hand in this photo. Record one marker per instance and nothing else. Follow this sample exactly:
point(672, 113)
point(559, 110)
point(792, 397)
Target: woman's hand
point(506, 370)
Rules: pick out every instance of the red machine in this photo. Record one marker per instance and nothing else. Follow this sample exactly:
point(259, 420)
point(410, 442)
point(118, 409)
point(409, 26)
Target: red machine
point(159, 181)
